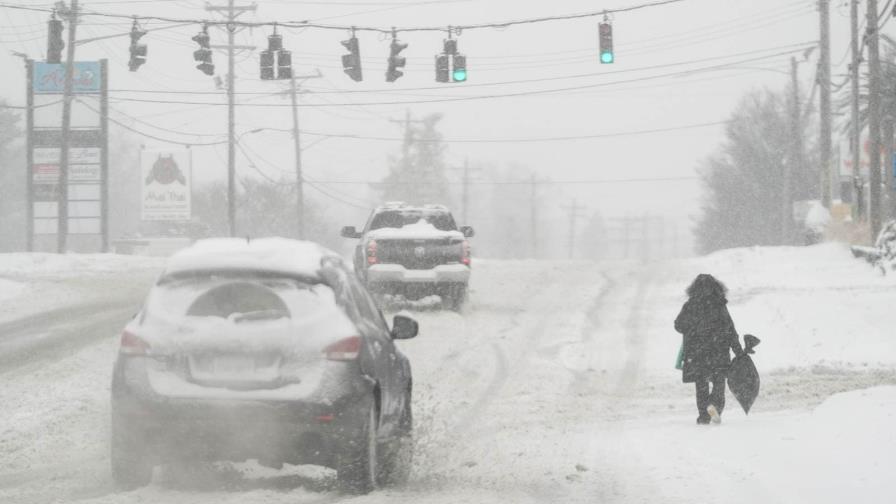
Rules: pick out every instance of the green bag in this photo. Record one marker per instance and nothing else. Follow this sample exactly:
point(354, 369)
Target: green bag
point(679, 362)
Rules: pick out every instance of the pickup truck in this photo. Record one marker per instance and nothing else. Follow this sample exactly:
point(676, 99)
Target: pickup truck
point(413, 251)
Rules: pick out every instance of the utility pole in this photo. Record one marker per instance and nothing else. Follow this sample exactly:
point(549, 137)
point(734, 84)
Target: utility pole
point(874, 120)
point(856, 132)
point(297, 145)
point(232, 12)
point(465, 197)
point(533, 217)
point(796, 163)
point(573, 219)
point(65, 140)
point(824, 78)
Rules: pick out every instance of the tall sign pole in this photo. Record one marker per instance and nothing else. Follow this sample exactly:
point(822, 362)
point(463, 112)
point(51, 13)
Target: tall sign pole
point(62, 229)
point(874, 92)
point(104, 155)
point(824, 78)
point(856, 131)
point(29, 157)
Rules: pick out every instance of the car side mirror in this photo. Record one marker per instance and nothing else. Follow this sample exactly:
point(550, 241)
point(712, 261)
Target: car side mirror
point(467, 231)
point(404, 327)
point(350, 232)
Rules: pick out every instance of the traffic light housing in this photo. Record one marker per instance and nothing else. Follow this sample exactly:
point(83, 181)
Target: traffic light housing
point(284, 65)
point(605, 35)
point(396, 62)
point(137, 51)
point(55, 44)
point(459, 72)
point(443, 68)
point(204, 54)
point(266, 61)
point(351, 62)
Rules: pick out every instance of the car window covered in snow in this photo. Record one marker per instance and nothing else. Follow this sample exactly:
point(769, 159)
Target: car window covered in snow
point(443, 221)
point(239, 297)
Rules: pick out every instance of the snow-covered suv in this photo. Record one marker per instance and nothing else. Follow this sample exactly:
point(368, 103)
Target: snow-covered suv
point(414, 251)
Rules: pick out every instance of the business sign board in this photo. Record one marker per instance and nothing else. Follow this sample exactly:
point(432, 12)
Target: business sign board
point(166, 185)
point(49, 78)
point(85, 183)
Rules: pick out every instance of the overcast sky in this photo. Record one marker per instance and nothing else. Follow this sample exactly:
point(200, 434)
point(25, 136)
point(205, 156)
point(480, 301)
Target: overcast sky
point(634, 94)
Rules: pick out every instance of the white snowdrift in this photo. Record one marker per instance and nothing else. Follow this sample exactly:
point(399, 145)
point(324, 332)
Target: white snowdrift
point(839, 452)
point(30, 265)
point(808, 305)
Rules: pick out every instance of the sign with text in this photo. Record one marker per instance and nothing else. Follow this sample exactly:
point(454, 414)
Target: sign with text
point(166, 185)
point(49, 78)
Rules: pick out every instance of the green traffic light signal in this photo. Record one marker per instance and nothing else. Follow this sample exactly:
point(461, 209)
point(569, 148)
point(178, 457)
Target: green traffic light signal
point(605, 36)
point(459, 72)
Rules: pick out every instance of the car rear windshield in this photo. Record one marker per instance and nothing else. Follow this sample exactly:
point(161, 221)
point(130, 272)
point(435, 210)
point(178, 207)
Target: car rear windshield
point(441, 220)
point(241, 298)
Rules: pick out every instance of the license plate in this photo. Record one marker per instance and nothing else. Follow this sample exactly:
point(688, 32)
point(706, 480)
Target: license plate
point(234, 365)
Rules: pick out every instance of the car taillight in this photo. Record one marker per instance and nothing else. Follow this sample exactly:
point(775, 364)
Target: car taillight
point(344, 350)
point(131, 344)
point(465, 257)
point(371, 252)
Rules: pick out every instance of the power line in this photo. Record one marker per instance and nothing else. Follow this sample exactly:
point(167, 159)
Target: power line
point(483, 97)
point(795, 46)
point(389, 31)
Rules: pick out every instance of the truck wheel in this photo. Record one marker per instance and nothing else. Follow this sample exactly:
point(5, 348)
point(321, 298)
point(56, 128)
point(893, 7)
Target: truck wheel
point(398, 460)
point(455, 297)
point(358, 469)
point(131, 468)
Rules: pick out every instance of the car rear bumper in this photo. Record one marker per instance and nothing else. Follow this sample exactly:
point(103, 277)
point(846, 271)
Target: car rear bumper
point(396, 273)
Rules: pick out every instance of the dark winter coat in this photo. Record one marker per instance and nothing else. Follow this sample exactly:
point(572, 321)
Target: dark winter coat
point(708, 332)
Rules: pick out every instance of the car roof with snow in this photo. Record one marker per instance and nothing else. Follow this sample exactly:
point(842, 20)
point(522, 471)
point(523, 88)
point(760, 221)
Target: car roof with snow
point(265, 255)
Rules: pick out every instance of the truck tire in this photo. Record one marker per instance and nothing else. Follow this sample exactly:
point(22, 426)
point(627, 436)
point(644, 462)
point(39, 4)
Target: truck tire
point(455, 297)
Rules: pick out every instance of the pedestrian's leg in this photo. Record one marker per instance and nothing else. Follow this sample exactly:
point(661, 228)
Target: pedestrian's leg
point(717, 397)
point(702, 388)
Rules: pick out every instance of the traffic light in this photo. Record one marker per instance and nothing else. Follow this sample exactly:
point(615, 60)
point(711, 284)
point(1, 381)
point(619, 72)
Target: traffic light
point(605, 31)
point(266, 59)
point(442, 68)
point(284, 65)
point(396, 62)
point(204, 54)
point(351, 62)
point(138, 51)
point(450, 46)
point(459, 74)
point(55, 45)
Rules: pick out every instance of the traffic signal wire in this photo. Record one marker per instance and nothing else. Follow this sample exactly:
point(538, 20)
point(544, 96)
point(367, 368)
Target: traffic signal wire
point(517, 94)
point(389, 31)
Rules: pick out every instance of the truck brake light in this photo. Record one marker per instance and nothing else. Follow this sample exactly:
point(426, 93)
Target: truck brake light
point(371, 252)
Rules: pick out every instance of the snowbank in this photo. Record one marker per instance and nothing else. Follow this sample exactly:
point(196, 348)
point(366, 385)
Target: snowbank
point(839, 452)
point(31, 265)
point(10, 289)
point(808, 305)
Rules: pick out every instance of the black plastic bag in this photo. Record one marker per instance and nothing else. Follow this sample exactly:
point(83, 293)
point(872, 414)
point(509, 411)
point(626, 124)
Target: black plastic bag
point(743, 379)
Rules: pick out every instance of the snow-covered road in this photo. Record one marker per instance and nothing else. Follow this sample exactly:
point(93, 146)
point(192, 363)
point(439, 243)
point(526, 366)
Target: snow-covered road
point(555, 386)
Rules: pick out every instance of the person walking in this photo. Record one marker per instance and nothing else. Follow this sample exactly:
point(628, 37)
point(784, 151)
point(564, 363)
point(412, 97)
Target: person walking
point(709, 334)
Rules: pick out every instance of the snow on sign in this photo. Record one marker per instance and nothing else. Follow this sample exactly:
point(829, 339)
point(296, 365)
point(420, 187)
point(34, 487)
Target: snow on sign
point(166, 185)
